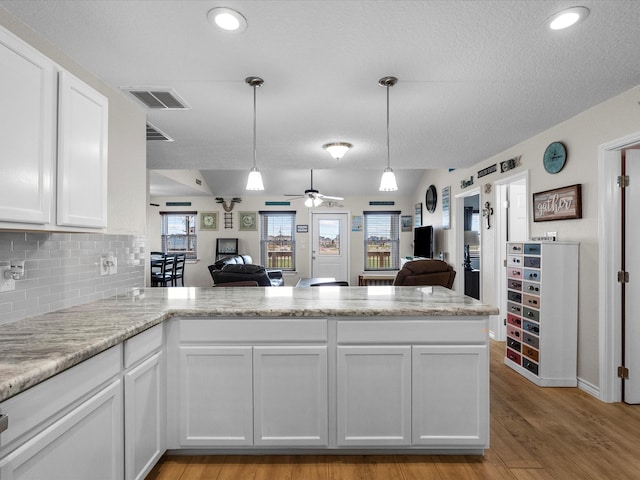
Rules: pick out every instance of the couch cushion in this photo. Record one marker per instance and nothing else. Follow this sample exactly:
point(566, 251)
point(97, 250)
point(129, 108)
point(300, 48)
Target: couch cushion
point(242, 268)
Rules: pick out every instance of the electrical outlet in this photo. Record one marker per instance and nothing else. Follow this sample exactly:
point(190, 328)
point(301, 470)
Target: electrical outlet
point(104, 265)
point(6, 284)
point(113, 267)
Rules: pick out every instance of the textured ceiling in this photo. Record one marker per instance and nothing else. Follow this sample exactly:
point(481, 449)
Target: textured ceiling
point(475, 77)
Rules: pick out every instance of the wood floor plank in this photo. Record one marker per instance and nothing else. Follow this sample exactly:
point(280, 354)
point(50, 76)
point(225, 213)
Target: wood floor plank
point(170, 467)
point(310, 467)
point(418, 467)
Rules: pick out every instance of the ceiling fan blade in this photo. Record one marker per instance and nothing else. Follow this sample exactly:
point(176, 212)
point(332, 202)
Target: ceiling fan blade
point(329, 197)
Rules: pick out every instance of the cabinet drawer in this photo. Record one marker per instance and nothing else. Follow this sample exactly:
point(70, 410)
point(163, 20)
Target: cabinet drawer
point(531, 301)
point(252, 330)
point(531, 366)
point(531, 340)
point(514, 308)
point(514, 248)
point(531, 314)
point(514, 260)
point(532, 248)
point(513, 356)
point(530, 352)
point(514, 296)
point(513, 332)
point(533, 262)
point(531, 327)
point(514, 284)
point(533, 275)
point(514, 272)
point(513, 320)
point(513, 344)
point(531, 288)
point(410, 331)
point(142, 345)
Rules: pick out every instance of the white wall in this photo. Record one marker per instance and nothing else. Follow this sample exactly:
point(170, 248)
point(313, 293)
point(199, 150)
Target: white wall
point(581, 134)
point(197, 275)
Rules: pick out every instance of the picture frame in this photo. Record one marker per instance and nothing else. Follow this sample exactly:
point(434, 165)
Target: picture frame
point(563, 203)
point(248, 221)
point(406, 223)
point(418, 215)
point(446, 208)
point(208, 220)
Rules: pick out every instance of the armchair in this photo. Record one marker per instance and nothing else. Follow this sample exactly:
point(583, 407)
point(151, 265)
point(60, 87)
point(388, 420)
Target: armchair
point(232, 267)
point(426, 272)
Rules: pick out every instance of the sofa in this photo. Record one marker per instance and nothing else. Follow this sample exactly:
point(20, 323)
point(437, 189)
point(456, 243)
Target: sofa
point(238, 268)
point(426, 272)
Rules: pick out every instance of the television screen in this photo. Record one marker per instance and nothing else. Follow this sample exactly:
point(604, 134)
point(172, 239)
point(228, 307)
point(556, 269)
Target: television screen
point(423, 242)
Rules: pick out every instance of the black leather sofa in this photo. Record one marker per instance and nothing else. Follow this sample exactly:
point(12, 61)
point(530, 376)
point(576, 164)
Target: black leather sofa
point(238, 268)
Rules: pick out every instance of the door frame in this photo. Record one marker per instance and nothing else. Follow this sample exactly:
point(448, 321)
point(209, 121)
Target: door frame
point(499, 332)
point(312, 213)
point(609, 251)
point(459, 229)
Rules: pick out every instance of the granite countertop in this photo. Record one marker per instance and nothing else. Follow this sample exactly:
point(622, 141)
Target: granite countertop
point(34, 349)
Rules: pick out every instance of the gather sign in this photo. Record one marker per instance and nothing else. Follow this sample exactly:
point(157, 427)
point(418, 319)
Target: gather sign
point(558, 204)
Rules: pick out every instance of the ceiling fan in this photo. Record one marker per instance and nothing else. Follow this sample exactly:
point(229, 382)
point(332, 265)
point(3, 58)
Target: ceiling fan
point(313, 197)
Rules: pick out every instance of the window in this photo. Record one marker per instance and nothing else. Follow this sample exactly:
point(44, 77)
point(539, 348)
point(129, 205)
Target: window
point(382, 240)
point(278, 240)
point(179, 233)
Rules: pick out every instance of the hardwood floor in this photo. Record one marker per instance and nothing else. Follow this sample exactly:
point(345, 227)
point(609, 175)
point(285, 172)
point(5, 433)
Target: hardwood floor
point(536, 434)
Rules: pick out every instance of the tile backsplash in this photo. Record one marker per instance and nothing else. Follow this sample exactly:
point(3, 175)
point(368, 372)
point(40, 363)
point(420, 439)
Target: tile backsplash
point(63, 269)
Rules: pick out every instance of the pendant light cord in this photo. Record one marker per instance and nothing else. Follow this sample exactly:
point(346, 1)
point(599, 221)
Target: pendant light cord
point(388, 155)
point(254, 125)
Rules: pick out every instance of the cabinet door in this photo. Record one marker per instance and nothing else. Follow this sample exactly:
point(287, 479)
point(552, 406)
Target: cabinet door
point(84, 443)
point(374, 395)
point(290, 396)
point(144, 417)
point(450, 395)
point(83, 119)
point(215, 398)
point(27, 132)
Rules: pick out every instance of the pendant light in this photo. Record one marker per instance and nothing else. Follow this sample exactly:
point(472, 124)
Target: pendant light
point(388, 180)
point(254, 182)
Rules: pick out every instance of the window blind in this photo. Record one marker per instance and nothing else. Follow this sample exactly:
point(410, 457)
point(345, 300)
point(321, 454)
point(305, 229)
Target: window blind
point(382, 240)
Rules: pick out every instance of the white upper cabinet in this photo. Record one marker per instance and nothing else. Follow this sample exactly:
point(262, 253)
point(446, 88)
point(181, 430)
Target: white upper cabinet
point(83, 119)
point(35, 105)
point(27, 132)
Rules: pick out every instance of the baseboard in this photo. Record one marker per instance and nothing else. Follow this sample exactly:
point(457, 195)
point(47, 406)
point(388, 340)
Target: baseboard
point(590, 388)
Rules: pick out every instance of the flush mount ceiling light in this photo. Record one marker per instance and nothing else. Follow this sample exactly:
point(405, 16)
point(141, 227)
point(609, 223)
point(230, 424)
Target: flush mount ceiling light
point(388, 180)
point(227, 20)
point(254, 182)
point(567, 18)
point(337, 149)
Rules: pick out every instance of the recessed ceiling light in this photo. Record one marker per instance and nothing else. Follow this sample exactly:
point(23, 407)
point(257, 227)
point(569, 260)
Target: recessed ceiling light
point(567, 18)
point(227, 20)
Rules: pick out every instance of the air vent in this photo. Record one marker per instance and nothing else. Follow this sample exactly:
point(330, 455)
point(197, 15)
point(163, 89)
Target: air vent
point(158, 98)
point(154, 133)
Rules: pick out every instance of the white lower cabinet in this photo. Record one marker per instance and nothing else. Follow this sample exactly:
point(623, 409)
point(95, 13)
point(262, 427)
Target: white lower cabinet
point(84, 443)
point(290, 396)
point(450, 398)
point(144, 417)
point(215, 396)
point(374, 395)
point(244, 396)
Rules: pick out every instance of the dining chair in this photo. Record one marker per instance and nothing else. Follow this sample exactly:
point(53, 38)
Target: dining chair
point(178, 270)
point(163, 276)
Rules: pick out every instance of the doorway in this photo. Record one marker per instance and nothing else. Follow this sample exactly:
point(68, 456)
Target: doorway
point(511, 224)
point(330, 245)
point(610, 251)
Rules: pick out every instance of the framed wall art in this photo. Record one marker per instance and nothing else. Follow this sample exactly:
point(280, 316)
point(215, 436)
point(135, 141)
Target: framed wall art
point(248, 221)
point(558, 204)
point(208, 220)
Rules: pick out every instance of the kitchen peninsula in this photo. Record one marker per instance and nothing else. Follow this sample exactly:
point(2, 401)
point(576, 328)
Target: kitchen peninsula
point(243, 370)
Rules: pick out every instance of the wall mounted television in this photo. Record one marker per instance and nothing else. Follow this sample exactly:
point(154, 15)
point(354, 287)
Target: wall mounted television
point(423, 242)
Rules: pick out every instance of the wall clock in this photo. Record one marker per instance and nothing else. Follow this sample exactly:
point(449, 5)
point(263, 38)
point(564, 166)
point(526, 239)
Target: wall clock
point(431, 199)
point(554, 157)
point(208, 220)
